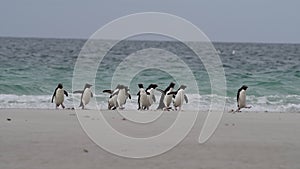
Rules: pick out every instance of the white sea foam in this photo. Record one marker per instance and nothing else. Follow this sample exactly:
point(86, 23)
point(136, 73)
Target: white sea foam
point(290, 103)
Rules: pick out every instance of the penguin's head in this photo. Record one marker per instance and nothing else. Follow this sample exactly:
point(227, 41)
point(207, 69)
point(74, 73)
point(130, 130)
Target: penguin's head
point(87, 85)
point(244, 87)
point(141, 85)
point(118, 86)
point(172, 85)
point(60, 86)
point(182, 87)
point(153, 86)
point(121, 87)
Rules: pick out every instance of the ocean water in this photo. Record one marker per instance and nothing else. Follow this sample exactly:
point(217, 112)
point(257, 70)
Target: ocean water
point(31, 68)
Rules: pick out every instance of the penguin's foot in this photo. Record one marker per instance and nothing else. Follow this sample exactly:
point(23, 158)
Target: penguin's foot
point(167, 108)
point(175, 108)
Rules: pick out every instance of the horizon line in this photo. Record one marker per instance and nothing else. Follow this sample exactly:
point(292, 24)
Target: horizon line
point(158, 40)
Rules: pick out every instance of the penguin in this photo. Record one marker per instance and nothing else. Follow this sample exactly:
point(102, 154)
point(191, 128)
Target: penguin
point(123, 94)
point(165, 99)
point(86, 95)
point(118, 97)
point(143, 101)
point(179, 97)
point(141, 87)
point(112, 101)
point(241, 98)
point(58, 94)
point(150, 91)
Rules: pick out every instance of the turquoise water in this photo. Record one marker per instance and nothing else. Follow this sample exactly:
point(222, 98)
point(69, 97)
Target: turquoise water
point(31, 68)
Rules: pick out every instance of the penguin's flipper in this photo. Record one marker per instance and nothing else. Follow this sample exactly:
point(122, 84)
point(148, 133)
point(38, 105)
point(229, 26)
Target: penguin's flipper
point(129, 96)
point(238, 94)
point(78, 91)
point(161, 102)
point(186, 99)
point(66, 93)
point(107, 91)
point(92, 94)
point(116, 92)
point(53, 95)
point(81, 104)
point(238, 105)
point(153, 98)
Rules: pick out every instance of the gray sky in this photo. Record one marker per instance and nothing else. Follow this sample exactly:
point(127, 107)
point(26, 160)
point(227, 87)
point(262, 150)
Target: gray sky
point(220, 20)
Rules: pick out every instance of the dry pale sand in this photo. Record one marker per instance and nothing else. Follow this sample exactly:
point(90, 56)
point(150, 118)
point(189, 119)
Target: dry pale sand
point(42, 139)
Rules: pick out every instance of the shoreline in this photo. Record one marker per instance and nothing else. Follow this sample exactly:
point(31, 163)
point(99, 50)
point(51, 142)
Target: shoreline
point(226, 111)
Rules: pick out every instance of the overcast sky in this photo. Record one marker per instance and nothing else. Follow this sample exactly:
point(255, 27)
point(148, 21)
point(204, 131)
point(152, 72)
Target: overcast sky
point(220, 20)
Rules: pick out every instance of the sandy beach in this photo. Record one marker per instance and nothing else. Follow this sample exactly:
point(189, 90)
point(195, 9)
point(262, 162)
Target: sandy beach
point(33, 138)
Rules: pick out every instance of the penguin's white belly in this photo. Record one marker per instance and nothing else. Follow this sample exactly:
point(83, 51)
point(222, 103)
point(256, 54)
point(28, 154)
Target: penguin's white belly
point(59, 96)
point(144, 101)
point(86, 96)
point(179, 98)
point(122, 97)
point(168, 100)
point(242, 99)
point(150, 97)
